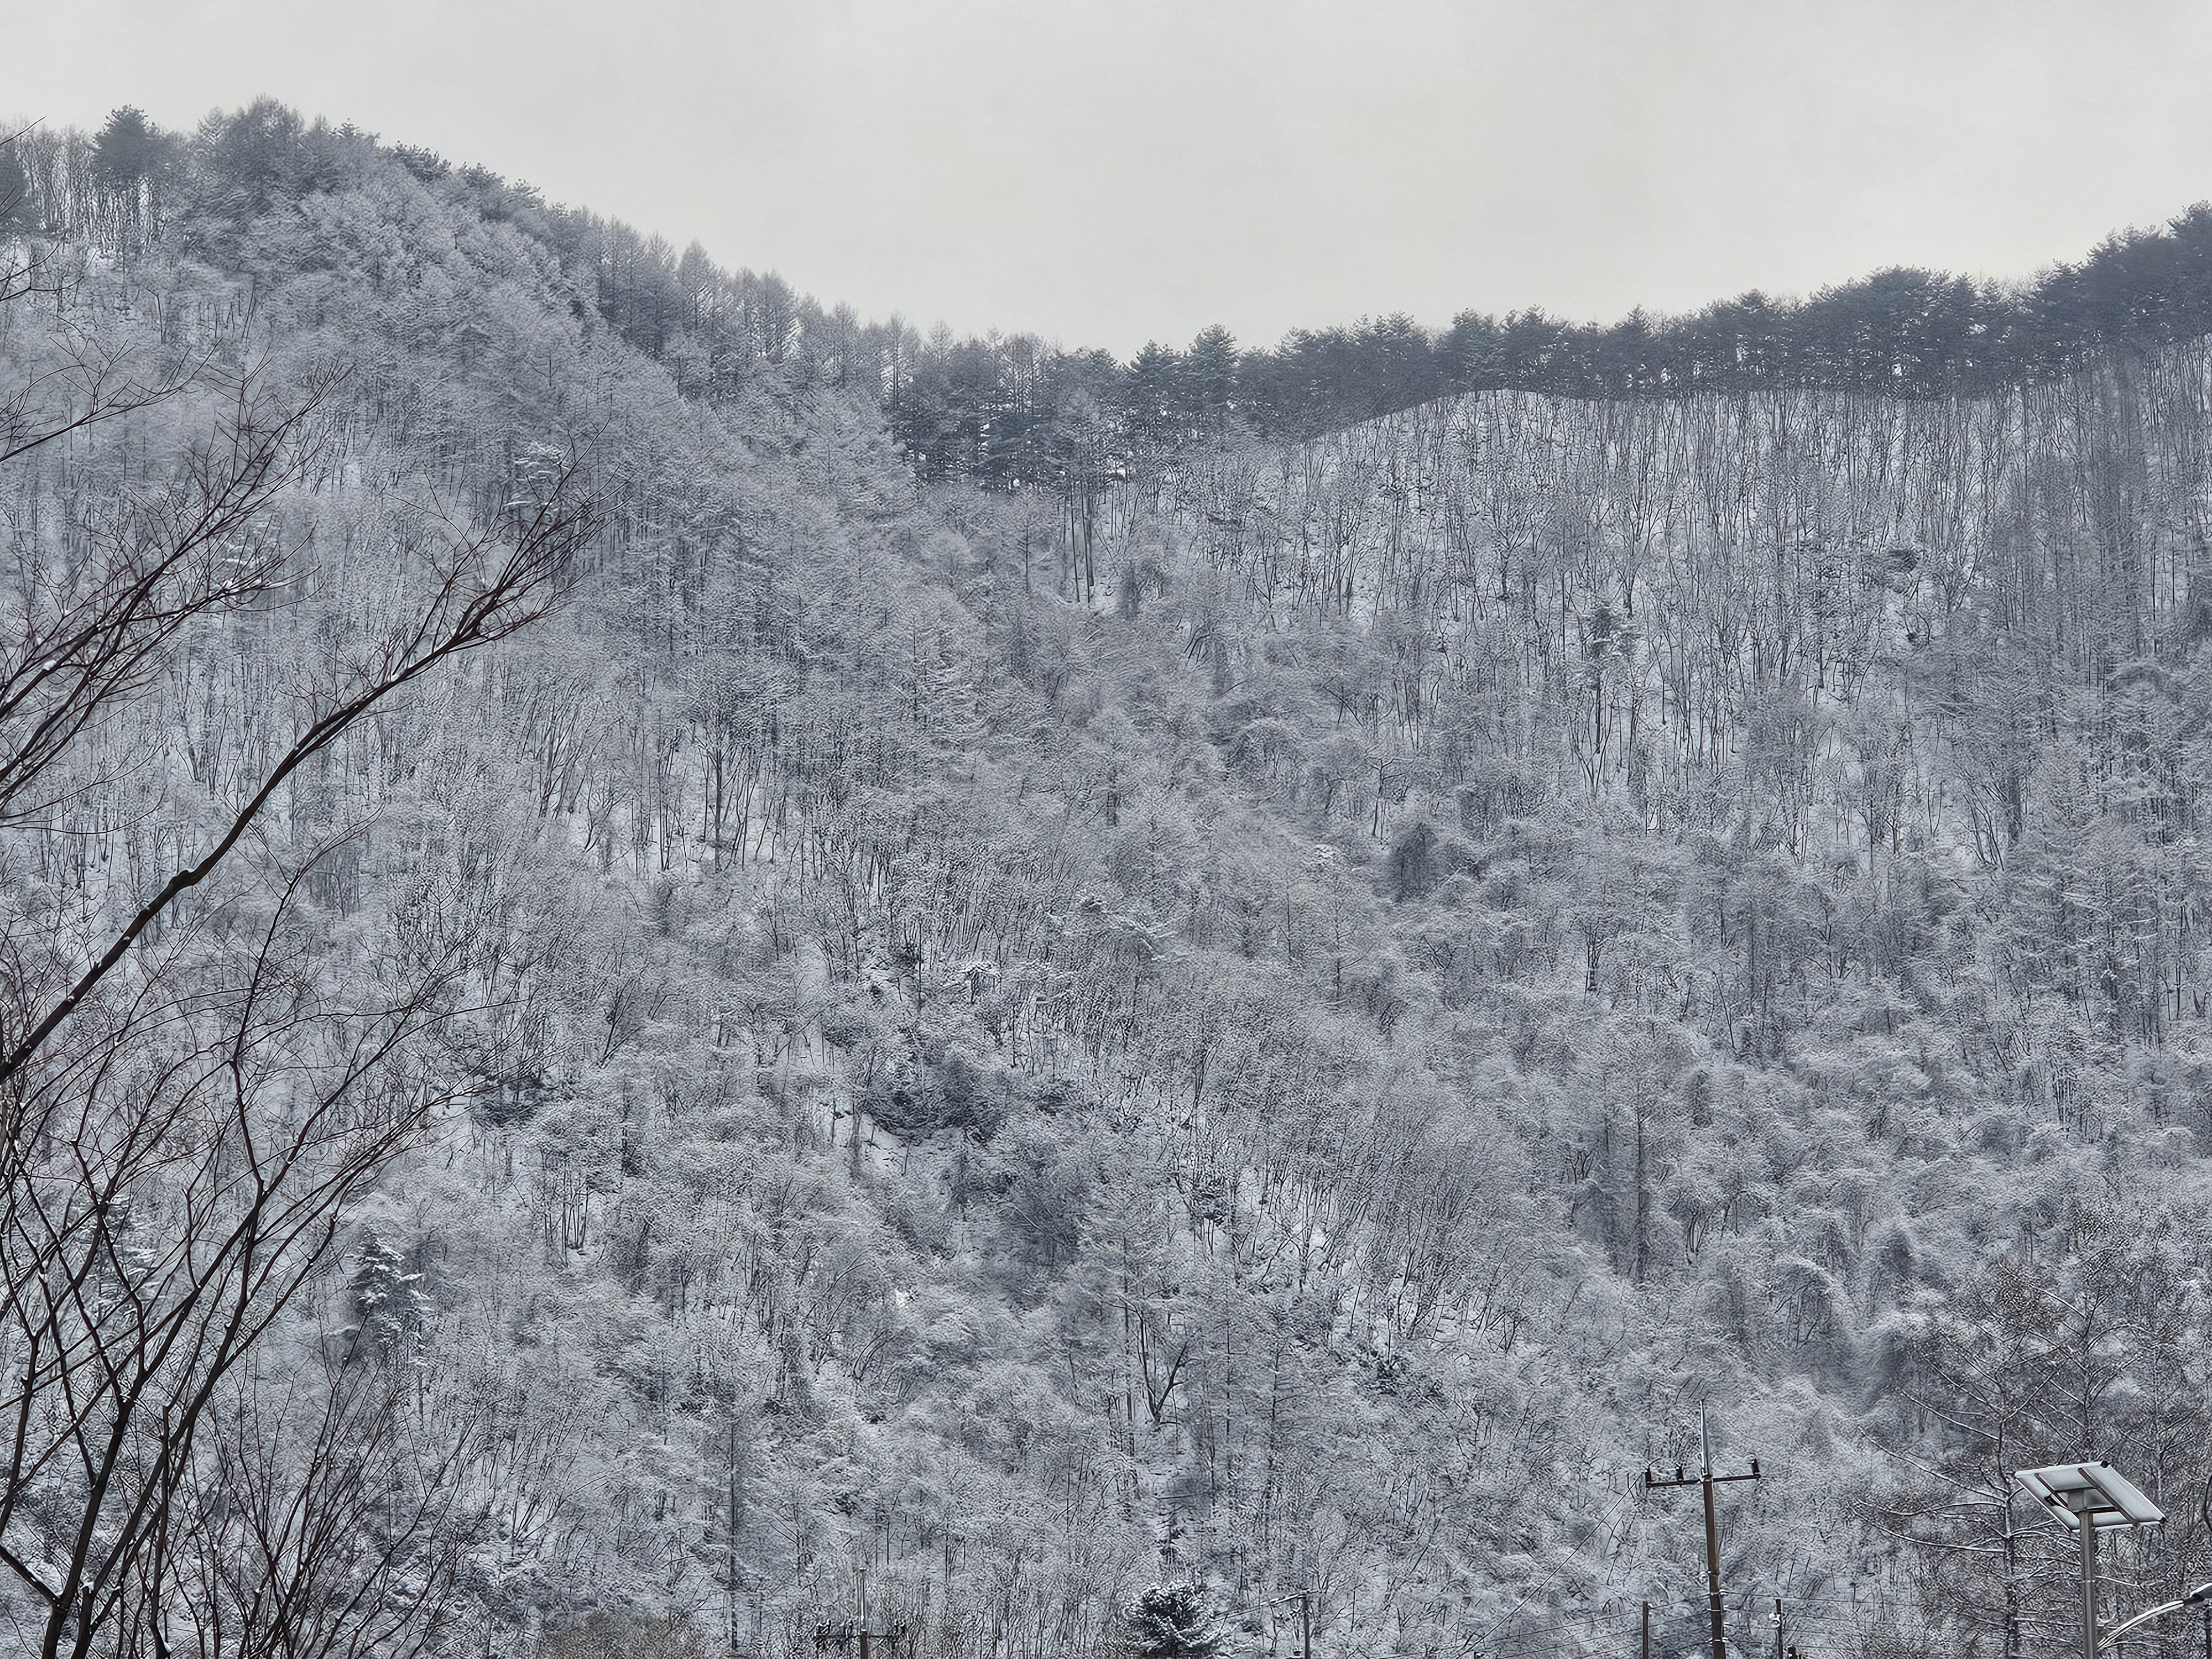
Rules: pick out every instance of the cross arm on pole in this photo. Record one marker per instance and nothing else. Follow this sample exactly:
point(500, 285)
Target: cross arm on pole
point(1657, 1483)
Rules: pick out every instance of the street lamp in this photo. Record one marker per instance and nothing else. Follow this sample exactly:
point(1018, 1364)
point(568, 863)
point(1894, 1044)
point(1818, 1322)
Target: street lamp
point(2090, 1498)
point(2195, 1598)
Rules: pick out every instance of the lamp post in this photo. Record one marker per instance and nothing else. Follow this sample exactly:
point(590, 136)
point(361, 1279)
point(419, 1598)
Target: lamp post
point(2092, 1498)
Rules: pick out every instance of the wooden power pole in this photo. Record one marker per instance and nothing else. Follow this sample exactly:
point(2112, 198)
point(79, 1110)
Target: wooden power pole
point(1707, 1480)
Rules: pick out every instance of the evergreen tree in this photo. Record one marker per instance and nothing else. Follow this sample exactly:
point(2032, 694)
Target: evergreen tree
point(126, 151)
point(1176, 1621)
point(388, 1302)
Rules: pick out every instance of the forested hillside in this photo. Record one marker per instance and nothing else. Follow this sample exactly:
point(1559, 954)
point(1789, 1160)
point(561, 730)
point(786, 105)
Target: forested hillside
point(1272, 1011)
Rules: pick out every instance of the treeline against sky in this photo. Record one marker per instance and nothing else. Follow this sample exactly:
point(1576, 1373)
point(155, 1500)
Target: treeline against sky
point(1014, 411)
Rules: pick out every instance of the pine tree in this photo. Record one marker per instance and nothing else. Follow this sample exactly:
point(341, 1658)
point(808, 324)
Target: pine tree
point(388, 1305)
point(1176, 1621)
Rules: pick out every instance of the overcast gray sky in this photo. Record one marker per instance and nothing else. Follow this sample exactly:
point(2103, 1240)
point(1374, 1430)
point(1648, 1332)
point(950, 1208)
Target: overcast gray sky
point(1101, 171)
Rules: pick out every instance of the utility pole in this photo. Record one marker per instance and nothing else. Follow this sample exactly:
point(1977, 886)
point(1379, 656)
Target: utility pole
point(734, 1518)
point(1707, 1480)
point(1647, 1631)
point(841, 1637)
point(1305, 1623)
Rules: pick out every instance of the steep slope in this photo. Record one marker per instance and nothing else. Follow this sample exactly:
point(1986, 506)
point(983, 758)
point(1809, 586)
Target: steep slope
point(1285, 1022)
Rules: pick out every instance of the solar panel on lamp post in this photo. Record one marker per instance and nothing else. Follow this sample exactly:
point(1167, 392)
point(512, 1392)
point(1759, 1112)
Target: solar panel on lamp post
point(2090, 1497)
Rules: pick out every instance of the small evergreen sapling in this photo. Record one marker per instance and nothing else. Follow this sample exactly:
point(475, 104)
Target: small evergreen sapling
point(388, 1305)
point(1176, 1621)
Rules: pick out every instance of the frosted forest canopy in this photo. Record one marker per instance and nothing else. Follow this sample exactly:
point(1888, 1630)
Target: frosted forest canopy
point(954, 979)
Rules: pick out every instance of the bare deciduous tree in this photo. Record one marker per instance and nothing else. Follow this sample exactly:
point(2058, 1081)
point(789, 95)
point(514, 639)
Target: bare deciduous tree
point(191, 1092)
point(334, 1521)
